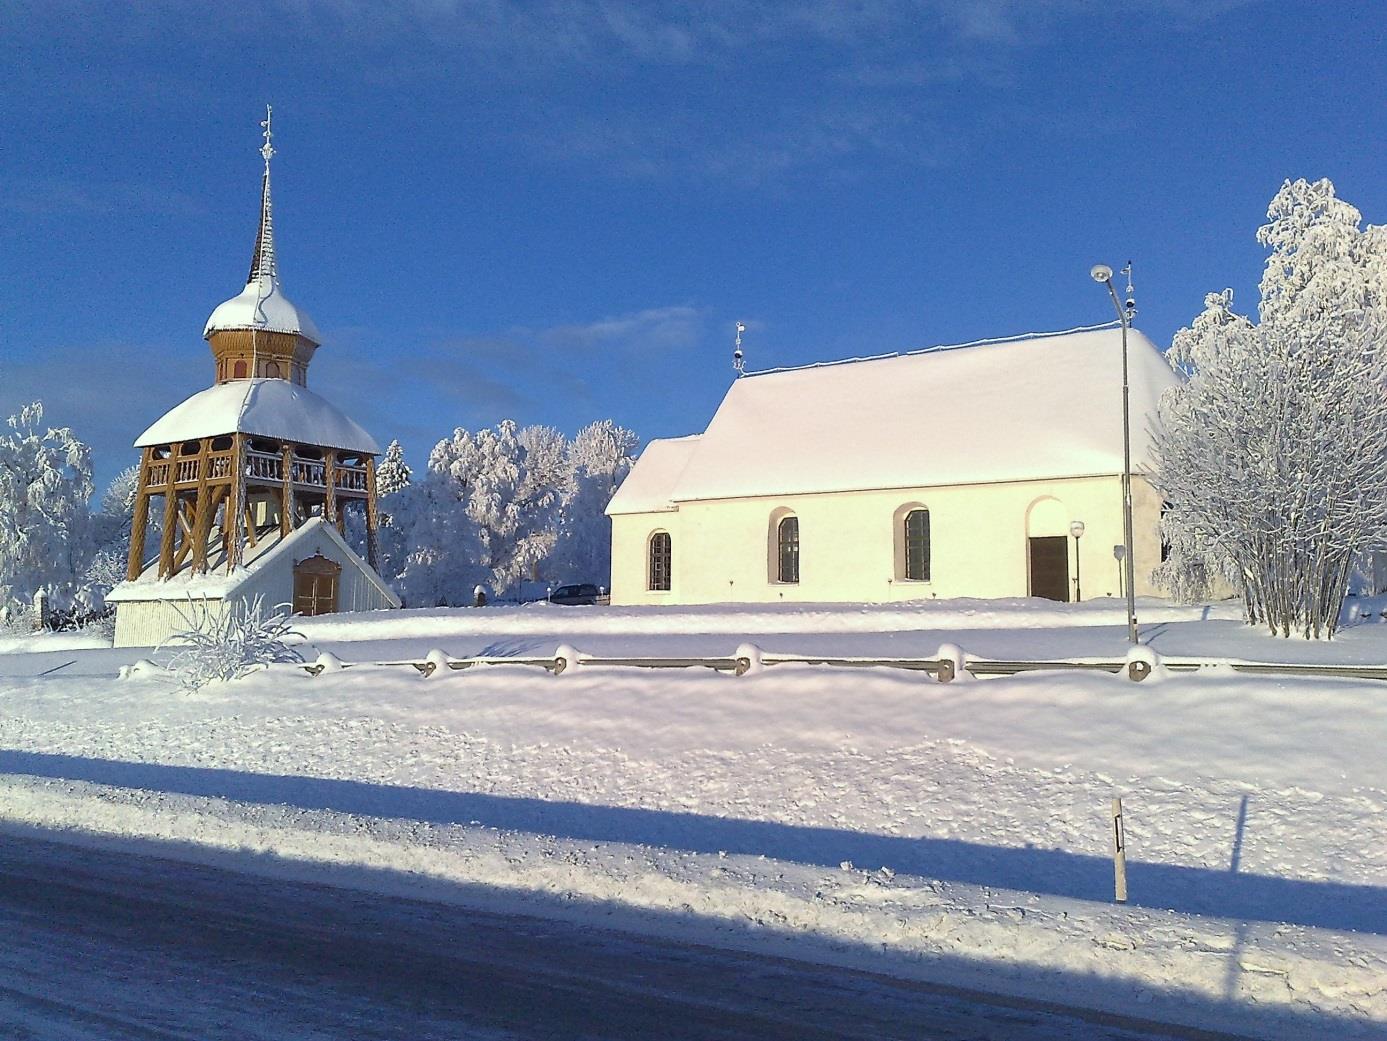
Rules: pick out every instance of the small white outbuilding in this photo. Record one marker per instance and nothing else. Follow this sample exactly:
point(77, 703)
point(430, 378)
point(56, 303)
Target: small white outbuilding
point(948, 472)
point(312, 570)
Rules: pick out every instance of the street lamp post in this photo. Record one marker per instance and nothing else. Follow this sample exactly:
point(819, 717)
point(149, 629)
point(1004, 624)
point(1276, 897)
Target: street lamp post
point(1077, 530)
point(1103, 274)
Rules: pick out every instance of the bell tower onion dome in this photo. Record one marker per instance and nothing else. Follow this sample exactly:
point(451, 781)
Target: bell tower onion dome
point(259, 333)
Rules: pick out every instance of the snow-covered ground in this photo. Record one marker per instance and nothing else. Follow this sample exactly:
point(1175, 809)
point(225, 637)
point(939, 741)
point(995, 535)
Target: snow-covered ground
point(954, 832)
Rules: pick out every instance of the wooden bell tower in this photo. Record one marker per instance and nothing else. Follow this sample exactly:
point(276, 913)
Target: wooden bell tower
point(243, 463)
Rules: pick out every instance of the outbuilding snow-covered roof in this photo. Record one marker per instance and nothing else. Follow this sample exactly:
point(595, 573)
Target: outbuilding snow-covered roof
point(1044, 406)
point(266, 407)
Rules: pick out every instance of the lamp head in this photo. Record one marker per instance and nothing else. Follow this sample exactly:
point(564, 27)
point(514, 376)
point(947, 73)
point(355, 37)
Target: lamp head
point(1101, 273)
point(1076, 529)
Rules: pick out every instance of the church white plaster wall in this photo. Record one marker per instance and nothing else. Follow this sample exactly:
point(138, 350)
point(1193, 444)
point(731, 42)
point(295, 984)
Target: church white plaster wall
point(849, 544)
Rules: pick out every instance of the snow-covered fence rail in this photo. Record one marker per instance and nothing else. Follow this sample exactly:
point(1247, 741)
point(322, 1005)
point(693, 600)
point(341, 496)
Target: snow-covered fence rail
point(944, 667)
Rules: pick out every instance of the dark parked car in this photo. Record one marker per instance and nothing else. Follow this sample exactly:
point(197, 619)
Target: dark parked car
point(575, 595)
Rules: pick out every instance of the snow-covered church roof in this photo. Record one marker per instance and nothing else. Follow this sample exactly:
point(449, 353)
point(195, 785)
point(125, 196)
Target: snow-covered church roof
point(1037, 407)
point(272, 408)
point(262, 305)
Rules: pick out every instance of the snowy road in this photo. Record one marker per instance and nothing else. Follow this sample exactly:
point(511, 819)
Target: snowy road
point(102, 945)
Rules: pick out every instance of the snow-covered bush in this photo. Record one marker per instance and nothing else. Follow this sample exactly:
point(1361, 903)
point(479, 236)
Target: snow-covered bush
point(225, 642)
point(1273, 455)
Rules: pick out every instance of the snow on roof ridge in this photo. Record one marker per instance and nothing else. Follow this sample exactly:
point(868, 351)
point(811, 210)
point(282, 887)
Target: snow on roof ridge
point(938, 348)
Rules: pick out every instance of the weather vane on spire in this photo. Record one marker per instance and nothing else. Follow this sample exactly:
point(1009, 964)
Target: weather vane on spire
point(267, 149)
point(1130, 305)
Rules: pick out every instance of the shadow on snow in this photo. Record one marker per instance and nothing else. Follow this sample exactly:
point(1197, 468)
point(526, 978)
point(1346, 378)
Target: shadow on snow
point(1053, 872)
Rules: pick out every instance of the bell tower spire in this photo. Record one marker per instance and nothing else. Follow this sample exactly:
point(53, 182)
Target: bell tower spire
point(259, 333)
point(262, 263)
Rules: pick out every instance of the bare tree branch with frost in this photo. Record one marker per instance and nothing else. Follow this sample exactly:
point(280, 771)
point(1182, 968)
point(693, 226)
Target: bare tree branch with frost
point(228, 642)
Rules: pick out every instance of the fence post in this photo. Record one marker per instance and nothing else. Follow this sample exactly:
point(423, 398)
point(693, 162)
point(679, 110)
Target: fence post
point(1119, 852)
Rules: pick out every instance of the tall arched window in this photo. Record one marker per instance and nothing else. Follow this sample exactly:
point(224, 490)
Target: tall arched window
point(661, 561)
point(787, 549)
point(238, 369)
point(916, 537)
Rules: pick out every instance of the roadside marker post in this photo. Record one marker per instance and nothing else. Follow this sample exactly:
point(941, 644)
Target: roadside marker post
point(1119, 853)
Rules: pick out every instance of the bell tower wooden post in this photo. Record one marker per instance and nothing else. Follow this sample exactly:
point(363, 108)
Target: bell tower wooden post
point(330, 485)
point(235, 504)
point(202, 511)
point(286, 504)
point(372, 516)
point(139, 525)
point(166, 540)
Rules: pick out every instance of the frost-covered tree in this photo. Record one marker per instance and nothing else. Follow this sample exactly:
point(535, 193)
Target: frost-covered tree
point(467, 520)
point(538, 499)
point(393, 473)
point(45, 485)
point(1273, 455)
point(599, 459)
point(110, 541)
point(499, 506)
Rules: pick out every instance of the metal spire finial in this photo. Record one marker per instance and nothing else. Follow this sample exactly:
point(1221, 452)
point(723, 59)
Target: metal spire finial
point(738, 361)
point(267, 149)
point(262, 261)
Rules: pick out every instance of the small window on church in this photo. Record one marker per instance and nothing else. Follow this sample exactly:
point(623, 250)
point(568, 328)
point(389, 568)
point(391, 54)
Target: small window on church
point(272, 369)
point(787, 550)
point(661, 559)
point(917, 546)
point(238, 370)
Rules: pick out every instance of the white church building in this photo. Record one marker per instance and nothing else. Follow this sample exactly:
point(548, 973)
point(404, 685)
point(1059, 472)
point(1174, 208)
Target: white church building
point(948, 472)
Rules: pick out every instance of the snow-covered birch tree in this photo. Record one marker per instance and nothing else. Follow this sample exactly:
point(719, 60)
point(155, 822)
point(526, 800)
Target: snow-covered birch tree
point(500, 506)
point(599, 459)
point(45, 485)
point(1273, 453)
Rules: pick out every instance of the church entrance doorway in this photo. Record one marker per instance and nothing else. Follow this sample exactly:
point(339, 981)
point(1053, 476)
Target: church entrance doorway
point(316, 581)
point(1050, 567)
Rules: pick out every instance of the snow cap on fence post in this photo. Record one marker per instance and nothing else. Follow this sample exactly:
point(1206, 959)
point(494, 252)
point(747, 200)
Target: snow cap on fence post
point(1142, 662)
point(143, 667)
point(326, 662)
point(951, 658)
point(748, 659)
point(434, 661)
point(565, 658)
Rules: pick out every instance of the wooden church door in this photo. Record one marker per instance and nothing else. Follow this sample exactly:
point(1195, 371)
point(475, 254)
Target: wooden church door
point(1050, 567)
point(316, 581)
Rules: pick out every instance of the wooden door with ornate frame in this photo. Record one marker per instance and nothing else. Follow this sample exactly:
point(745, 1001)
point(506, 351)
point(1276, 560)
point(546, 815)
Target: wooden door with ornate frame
point(317, 581)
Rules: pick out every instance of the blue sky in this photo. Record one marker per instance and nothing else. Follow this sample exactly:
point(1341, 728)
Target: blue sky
point(555, 212)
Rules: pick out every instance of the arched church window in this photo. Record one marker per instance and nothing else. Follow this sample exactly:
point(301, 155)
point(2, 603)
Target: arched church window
point(238, 370)
point(272, 369)
point(787, 549)
point(916, 536)
point(661, 561)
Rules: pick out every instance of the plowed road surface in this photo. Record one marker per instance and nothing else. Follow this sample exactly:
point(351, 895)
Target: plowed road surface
point(101, 945)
